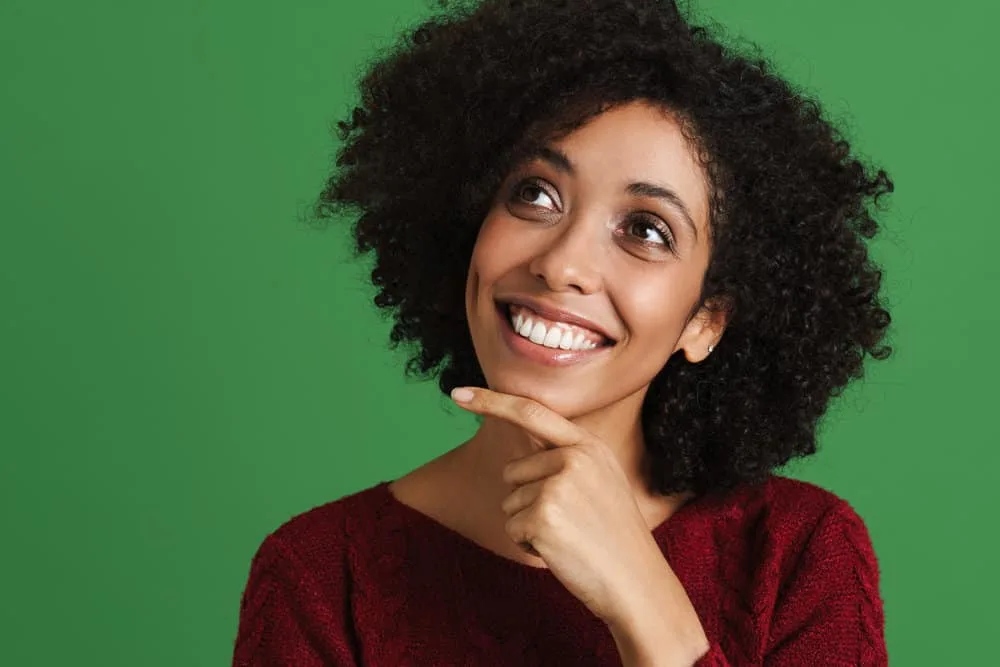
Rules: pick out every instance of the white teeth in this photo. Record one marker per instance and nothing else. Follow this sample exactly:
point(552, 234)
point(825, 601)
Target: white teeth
point(552, 338)
point(555, 337)
point(525, 328)
point(537, 333)
point(566, 342)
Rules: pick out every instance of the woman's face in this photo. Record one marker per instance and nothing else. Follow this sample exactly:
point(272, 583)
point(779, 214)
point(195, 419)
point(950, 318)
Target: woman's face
point(589, 265)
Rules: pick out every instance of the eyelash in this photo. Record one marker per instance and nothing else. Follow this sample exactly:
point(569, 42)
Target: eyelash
point(662, 228)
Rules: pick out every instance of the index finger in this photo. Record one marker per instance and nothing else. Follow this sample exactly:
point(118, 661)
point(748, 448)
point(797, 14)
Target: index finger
point(529, 414)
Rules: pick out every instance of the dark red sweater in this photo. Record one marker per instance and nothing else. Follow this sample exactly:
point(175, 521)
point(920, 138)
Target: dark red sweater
point(781, 573)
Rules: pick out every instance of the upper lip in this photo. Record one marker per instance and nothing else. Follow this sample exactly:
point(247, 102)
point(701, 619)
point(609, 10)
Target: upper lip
point(557, 314)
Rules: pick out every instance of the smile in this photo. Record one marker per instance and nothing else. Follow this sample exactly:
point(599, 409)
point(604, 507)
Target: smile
point(541, 331)
point(545, 341)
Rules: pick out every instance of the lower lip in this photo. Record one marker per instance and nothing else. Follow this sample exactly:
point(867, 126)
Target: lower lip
point(540, 354)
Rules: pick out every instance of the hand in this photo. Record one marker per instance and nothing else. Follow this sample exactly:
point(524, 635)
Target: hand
point(572, 503)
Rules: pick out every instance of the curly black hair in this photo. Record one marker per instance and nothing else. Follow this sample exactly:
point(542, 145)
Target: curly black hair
point(446, 113)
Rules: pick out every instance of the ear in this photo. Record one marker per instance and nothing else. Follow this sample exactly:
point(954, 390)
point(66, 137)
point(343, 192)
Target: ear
point(705, 329)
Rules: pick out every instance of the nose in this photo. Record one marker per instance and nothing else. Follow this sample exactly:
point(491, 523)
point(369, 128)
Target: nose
point(570, 259)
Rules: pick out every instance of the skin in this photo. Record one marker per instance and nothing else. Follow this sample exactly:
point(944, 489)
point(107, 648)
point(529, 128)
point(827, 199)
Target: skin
point(559, 460)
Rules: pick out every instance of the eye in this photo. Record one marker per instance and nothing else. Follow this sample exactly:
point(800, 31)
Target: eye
point(532, 192)
point(650, 231)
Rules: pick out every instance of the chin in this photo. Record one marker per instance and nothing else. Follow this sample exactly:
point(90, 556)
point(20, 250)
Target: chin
point(569, 403)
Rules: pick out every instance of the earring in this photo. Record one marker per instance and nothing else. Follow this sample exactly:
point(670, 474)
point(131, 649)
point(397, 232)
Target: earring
point(711, 348)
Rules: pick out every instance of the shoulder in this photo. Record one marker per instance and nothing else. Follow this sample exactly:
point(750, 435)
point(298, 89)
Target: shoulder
point(326, 523)
point(805, 507)
point(317, 539)
point(790, 498)
point(293, 606)
point(781, 522)
point(824, 528)
point(795, 530)
point(788, 508)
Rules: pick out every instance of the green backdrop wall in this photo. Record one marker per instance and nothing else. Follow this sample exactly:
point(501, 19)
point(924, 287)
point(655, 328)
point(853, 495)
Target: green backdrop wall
point(184, 364)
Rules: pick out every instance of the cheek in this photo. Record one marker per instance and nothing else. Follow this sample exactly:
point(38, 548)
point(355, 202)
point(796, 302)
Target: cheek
point(484, 249)
point(485, 263)
point(655, 312)
point(498, 248)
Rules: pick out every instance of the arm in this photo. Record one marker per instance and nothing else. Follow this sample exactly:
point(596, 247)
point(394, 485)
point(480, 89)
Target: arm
point(284, 620)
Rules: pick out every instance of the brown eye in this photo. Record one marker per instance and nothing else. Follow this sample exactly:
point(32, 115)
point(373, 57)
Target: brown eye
point(650, 231)
point(530, 192)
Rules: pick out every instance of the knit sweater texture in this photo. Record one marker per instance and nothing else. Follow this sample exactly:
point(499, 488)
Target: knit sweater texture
point(780, 573)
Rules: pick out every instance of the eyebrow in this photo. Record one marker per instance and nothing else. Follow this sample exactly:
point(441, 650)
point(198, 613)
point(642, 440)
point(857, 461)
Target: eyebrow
point(560, 162)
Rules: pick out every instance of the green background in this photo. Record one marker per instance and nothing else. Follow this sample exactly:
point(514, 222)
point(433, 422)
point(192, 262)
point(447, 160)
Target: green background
point(185, 364)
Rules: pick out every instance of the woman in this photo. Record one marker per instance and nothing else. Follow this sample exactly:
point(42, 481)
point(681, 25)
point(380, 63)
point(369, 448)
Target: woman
point(641, 258)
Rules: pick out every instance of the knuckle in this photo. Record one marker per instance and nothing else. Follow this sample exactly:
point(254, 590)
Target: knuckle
point(514, 528)
point(529, 410)
point(561, 489)
point(547, 512)
point(572, 459)
point(508, 504)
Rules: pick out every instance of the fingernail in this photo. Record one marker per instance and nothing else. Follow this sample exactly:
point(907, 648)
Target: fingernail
point(461, 394)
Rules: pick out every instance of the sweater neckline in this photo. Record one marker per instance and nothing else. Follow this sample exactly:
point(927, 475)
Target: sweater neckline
point(660, 533)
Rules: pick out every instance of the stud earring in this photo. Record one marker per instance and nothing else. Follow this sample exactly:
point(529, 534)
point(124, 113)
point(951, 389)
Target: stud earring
point(711, 348)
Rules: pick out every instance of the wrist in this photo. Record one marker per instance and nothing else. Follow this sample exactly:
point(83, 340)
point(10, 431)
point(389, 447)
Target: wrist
point(657, 625)
point(659, 645)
